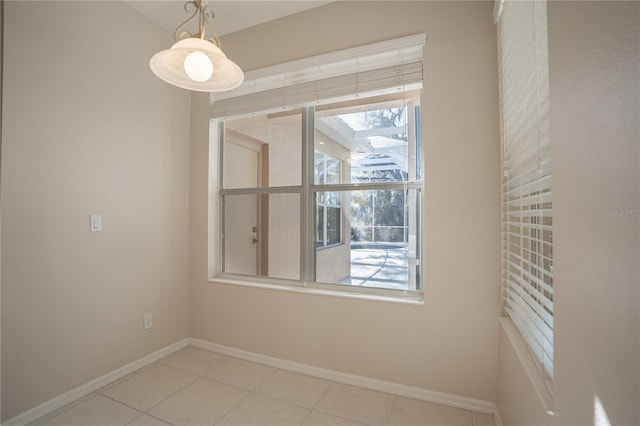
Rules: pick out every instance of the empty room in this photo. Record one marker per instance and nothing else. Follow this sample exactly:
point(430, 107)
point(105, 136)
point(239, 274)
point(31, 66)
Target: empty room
point(320, 212)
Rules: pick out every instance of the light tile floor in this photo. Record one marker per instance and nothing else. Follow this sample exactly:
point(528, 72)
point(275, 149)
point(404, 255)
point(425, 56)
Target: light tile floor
point(198, 387)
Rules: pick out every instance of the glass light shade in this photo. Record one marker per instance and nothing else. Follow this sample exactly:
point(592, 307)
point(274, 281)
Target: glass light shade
point(169, 65)
point(198, 67)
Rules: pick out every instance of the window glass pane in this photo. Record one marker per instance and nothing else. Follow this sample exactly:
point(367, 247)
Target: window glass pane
point(334, 220)
point(390, 207)
point(326, 169)
point(262, 235)
point(332, 170)
point(328, 219)
point(320, 226)
point(319, 168)
point(374, 138)
point(380, 230)
point(263, 151)
point(332, 198)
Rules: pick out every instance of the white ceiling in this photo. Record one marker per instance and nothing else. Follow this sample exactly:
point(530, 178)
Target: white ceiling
point(230, 15)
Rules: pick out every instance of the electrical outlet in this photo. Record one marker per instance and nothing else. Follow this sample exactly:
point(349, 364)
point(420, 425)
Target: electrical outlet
point(148, 321)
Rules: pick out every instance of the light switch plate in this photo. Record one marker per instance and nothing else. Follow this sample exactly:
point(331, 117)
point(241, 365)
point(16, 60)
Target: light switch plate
point(96, 223)
point(148, 321)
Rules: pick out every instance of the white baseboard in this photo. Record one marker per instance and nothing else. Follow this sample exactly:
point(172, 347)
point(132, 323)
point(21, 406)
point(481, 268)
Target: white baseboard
point(53, 404)
point(92, 386)
point(472, 404)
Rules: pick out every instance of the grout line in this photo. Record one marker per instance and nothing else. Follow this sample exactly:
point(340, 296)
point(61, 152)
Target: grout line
point(393, 406)
point(324, 392)
point(331, 382)
point(141, 371)
point(177, 391)
point(306, 417)
point(275, 370)
point(312, 409)
point(222, 417)
point(122, 403)
point(295, 404)
point(153, 417)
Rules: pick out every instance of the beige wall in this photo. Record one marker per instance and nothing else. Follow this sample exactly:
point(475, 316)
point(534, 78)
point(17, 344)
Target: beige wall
point(595, 104)
point(449, 344)
point(88, 130)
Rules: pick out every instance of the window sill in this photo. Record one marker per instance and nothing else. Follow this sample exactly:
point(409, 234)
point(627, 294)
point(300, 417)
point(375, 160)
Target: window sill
point(541, 385)
point(302, 288)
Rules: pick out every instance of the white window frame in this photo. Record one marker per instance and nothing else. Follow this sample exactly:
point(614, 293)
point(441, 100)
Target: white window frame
point(359, 68)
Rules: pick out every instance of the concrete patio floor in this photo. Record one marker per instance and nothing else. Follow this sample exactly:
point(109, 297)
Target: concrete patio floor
point(379, 267)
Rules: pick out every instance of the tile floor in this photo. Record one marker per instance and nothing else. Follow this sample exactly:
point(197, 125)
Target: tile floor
point(198, 387)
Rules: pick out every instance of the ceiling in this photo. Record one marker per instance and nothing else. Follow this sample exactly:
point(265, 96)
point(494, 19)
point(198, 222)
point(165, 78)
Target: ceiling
point(230, 15)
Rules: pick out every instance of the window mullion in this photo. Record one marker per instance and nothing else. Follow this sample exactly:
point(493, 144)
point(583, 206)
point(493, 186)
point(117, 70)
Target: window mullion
point(325, 220)
point(221, 138)
point(307, 266)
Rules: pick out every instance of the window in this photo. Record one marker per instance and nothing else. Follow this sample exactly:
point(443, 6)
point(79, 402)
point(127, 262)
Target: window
point(527, 233)
point(326, 193)
point(327, 170)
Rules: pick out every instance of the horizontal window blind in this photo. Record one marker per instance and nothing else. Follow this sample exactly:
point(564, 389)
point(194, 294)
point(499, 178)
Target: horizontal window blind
point(380, 68)
point(386, 80)
point(527, 232)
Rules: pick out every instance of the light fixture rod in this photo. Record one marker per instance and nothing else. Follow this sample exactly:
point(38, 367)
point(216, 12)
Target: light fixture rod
point(200, 8)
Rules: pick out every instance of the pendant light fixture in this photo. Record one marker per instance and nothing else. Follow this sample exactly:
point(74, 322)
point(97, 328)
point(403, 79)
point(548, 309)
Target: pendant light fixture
point(196, 62)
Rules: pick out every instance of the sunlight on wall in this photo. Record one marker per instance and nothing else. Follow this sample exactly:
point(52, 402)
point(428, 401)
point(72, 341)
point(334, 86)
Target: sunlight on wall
point(600, 417)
